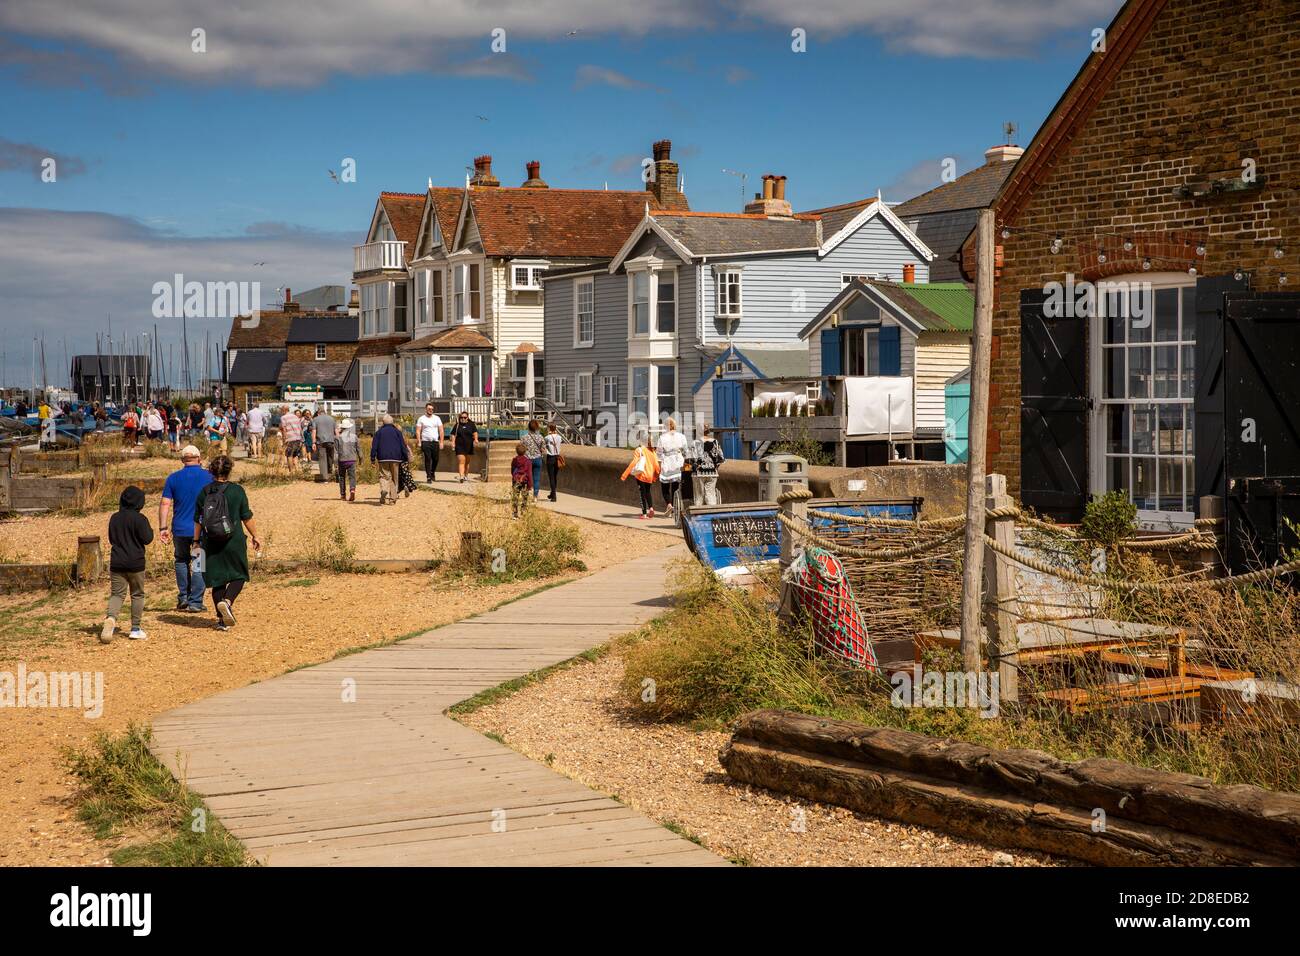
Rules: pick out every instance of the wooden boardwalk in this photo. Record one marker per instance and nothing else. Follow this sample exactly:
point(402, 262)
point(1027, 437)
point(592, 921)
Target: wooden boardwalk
point(304, 778)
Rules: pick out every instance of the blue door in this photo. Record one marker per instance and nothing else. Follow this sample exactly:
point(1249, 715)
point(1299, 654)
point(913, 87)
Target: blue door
point(726, 414)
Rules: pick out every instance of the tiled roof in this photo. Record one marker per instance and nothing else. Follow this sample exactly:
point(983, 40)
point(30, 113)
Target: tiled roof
point(835, 218)
point(721, 234)
point(556, 222)
point(256, 366)
point(974, 190)
point(387, 345)
point(404, 213)
point(310, 328)
point(446, 206)
point(457, 337)
point(327, 374)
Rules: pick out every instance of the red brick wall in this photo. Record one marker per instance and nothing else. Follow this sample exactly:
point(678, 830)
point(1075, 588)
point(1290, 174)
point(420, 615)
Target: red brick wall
point(1214, 82)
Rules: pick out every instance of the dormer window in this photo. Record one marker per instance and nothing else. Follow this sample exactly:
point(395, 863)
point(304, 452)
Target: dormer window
point(467, 296)
point(652, 298)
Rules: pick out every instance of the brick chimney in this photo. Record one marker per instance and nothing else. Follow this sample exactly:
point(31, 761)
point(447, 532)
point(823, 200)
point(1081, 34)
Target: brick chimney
point(771, 201)
point(1003, 153)
point(665, 184)
point(289, 304)
point(483, 172)
point(534, 180)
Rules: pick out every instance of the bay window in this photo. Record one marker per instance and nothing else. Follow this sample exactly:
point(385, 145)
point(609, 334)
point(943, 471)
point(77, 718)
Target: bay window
point(641, 303)
point(653, 398)
point(468, 292)
point(652, 300)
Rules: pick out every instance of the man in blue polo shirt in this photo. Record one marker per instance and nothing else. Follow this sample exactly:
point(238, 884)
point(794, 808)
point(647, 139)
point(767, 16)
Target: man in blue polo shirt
point(180, 498)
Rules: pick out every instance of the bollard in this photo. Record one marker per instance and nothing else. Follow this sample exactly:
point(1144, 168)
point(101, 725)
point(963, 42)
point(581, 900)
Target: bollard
point(90, 559)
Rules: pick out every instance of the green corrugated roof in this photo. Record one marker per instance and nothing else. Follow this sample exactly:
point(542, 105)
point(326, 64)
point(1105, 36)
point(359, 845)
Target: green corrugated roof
point(952, 302)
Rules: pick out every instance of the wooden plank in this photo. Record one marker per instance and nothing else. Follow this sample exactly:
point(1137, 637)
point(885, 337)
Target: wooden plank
point(306, 778)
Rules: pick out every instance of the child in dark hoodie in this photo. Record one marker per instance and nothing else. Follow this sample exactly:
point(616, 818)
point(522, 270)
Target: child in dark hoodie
point(129, 533)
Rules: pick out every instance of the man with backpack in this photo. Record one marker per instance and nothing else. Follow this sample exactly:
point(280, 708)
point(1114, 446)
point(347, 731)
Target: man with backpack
point(180, 498)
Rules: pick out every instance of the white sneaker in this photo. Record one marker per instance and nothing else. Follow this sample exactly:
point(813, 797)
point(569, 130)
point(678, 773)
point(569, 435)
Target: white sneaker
point(138, 635)
point(226, 615)
point(106, 632)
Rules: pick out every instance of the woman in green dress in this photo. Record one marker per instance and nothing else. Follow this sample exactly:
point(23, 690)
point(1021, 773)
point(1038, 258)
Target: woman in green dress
point(225, 561)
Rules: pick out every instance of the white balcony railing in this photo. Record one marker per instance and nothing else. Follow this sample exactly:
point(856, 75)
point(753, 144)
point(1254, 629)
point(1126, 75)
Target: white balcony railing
point(878, 405)
point(384, 254)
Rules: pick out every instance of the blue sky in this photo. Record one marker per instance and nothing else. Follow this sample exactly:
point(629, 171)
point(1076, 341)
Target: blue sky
point(205, 163)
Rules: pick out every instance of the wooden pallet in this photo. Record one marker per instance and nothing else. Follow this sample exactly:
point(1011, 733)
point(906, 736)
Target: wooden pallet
point(1159, 666)
point(1076, 700)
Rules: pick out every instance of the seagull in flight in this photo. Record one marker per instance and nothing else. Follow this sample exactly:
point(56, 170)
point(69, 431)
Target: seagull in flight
point(262, 263)
point(333, 175)
point(572, 33)
point(482, 117)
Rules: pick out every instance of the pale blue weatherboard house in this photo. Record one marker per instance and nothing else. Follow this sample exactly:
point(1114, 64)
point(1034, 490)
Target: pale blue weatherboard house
point(695, 303)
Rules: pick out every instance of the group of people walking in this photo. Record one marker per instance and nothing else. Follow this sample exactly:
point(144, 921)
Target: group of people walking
point(207, 519)
point(672, 461)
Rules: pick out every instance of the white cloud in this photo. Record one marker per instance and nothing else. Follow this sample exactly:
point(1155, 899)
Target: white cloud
point(279, 43)
point(62, 273)
point(589, 75)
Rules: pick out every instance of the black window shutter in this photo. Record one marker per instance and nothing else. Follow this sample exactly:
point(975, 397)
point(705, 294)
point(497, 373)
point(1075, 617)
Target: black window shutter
point(1207, 404)
point(1053, 410)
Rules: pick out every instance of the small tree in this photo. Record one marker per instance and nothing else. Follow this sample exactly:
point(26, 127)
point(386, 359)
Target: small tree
point(1109, 519)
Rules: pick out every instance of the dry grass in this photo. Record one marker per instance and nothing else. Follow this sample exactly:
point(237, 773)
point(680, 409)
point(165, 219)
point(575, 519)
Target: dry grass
point(539, 544)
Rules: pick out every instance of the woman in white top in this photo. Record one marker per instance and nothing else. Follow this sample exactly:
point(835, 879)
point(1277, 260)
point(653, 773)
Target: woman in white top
point(671, 451)
point(553, 442)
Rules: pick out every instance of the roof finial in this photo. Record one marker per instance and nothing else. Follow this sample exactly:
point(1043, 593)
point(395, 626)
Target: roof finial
point(430, 182)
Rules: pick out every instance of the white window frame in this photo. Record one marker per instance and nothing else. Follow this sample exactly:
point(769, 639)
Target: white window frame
point(559, 390)
point(584, 390)
point(724, 307)
point(580, 286)
point(733, 366)
point(651, 268)
point(437, 293)
point(532, 275)
point(421, 297)
point(519, 367)
point(463, 298)
point(847, 277)
point(320, 351)
point(1099, 463)
point(653, 412)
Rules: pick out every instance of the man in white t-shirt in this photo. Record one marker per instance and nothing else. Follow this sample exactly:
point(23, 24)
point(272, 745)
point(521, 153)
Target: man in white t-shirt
point(428, 429)
point(256, 430)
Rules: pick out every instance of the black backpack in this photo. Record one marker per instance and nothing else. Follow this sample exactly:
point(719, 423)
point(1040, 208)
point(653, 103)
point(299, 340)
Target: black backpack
point(218, 526)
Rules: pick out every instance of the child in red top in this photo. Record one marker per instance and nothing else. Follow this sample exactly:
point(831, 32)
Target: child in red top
point(521, 481)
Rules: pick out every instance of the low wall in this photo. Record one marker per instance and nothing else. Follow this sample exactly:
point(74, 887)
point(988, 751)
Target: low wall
point(594, 473)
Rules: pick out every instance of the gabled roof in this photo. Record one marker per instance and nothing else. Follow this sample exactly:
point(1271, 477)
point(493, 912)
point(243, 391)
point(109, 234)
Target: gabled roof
point(973, 190)
point(404, 212)
point(1095, 78)
point(917, 306)
point(725, 234)
point(256, 366)
point(311, 328)
point(873, 209)
point(554, 223)
point(765, 361)
point(442, 207)
point(456, 337)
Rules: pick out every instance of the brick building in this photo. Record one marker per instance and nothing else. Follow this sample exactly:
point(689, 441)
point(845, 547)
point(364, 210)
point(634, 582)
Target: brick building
point(1171, 162)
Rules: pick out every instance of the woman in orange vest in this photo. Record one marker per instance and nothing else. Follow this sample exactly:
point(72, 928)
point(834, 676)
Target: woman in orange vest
point(645, 466)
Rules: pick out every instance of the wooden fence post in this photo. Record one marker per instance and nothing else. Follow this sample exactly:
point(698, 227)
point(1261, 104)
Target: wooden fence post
point(90, 559)
point(794, 505)
point(977, 426)
point(1001, 605)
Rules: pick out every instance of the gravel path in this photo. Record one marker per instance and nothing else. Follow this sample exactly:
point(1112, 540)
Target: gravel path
point(573, 722)
point(284, 621)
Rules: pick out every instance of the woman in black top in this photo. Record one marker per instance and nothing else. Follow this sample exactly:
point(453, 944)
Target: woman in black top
point(463, 434)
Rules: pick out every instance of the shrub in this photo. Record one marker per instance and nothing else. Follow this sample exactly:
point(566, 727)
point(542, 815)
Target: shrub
point(541, 544)
point(1109, 519)
point(328, 548)
point(797, 439)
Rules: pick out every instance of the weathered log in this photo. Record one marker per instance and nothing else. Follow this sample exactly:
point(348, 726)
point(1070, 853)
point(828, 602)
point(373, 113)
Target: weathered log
point(976, 813)
point(1239, 815)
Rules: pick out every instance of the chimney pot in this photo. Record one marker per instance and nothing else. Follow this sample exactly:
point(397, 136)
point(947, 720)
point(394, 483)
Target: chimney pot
point(288, 294)
point(909, 272)
point(534, 180)
point(483, 172)
point(768, 185)
point(779, 184)
point(1002, 153)
point(662, 149)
